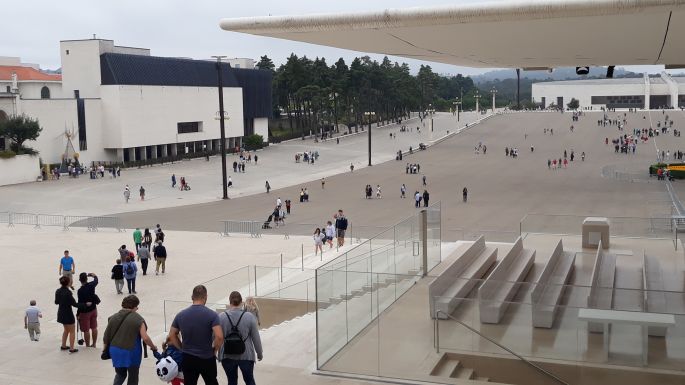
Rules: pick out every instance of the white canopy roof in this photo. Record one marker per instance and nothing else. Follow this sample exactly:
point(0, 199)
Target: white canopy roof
point(512, 34)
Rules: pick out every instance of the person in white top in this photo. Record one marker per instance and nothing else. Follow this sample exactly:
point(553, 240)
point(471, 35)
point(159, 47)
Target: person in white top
point(330, 233)
point(378, 192)
point(318, 241)
point(278, 202)
point(32, 320)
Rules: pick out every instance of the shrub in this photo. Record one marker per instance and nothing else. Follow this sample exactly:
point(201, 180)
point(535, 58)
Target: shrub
point(7, 154)
point(253, 142)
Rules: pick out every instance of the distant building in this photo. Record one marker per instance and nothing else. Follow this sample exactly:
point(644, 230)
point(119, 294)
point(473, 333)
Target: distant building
point(664, 91)
point(125, 105)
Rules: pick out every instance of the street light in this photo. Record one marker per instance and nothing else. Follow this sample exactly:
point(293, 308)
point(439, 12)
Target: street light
point(457, 103)
point(430, 111)
point(222, 125)
point(493, 91)
point(369, 114)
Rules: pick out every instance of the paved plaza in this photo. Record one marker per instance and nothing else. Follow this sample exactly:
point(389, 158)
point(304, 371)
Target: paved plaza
point(502, 190)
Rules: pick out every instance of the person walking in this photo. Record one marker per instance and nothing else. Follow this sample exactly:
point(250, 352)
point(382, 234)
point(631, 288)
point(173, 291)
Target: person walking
point(251, 307)
point(230, 182)
point(173, 180)
point(318, 241)
point(403, 191)
point(144, 257)
point(268, 186)
point(465, 194)
point(137, 238)
point(160, 254)
point(287, 206)
point(123, 340)
point(88, 316)
point(118, 276)
point(32, 317)
point(67, 267)
point(340, 227)
point(130, 272)
point(330, 233)
point(242, 325)
point(147, 238)
point(378, 192)
point(64, 299)
point(197, 332)
point(142, 193)
point(417, 199)
point(323, 183)
point(423, 179)
point(351, 167)
point(425, 198)
point(127, 193)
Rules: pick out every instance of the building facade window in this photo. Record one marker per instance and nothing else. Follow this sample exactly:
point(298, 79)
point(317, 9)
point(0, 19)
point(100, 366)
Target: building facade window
point(189, 127)
point(45, 93)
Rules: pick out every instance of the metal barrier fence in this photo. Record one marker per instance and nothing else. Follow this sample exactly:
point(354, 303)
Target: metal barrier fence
point(241, 227)
point(63, 221)
point(354, 234)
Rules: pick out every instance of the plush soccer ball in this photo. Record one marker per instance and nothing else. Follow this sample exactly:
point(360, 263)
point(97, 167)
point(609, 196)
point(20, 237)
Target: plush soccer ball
point(167, 369)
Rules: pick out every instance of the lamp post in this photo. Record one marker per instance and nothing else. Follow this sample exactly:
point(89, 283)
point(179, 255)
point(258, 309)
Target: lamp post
point(493, 91)
point(477, 97)
point(222, 126)
point(456, 103)
point(369, 114)
point(430, 111)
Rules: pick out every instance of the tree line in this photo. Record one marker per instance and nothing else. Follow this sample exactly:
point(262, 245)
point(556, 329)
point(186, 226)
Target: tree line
point(312, 95)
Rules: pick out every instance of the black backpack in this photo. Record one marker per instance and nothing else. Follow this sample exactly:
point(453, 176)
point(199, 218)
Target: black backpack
point(234, 344)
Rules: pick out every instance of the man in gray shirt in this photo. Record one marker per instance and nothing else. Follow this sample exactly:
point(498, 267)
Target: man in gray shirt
point(247, 327)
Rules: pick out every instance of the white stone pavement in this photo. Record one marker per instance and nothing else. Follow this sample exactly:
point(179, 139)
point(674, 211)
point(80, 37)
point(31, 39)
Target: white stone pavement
point(83, 196)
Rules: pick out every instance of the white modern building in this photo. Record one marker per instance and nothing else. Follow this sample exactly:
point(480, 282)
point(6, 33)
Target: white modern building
point(122, 104)
point(663, 91)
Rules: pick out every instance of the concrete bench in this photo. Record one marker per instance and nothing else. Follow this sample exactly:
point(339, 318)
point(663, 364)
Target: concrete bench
point(551, 285)
point(654, 296)
point(645, 320)
point(502, 284)
point(458, 280)
point(602, 285)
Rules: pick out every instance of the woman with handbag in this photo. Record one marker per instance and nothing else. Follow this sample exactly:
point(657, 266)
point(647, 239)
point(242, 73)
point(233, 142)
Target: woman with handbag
point(123, 341)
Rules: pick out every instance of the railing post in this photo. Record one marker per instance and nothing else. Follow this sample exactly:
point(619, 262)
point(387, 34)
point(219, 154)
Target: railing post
point(281, 267)
point(303, 261)
point(424, 242)
point(437, 333)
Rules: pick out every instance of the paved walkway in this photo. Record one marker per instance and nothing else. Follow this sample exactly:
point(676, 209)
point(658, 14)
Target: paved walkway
point(83, 196)
point(502, 190)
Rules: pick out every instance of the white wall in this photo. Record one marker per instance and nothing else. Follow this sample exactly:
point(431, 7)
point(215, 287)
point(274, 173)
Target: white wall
point(53, 116)
point(19, 169)
point(81, 67)
point(31, 90)
point(261, 127)
point(582, 92)
point(135, 116)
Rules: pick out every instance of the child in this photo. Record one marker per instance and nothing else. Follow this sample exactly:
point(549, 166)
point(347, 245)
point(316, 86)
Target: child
point(175, 354)
point(118, 276)
point(32, 320)
point(251, 307)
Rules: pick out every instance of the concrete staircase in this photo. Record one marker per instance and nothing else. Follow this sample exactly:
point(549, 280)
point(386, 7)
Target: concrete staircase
point(291, 343)
point(447, 367)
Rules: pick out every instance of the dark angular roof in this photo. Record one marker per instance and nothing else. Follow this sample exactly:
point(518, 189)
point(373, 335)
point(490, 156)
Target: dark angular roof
point(124, 69)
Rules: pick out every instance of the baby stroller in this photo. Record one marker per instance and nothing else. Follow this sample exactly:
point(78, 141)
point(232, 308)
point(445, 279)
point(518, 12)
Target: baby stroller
point(267, 223)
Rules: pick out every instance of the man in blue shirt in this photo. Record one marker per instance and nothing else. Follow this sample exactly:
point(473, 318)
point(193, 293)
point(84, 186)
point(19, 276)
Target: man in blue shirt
point(200, 339)
point(67, 266)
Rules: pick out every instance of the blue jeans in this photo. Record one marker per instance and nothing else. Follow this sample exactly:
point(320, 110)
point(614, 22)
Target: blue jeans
point(131, 283)
point(246, 368)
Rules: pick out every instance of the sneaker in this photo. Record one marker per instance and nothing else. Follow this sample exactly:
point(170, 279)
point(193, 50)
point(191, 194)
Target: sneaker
point(73, 351)
point(156, 272)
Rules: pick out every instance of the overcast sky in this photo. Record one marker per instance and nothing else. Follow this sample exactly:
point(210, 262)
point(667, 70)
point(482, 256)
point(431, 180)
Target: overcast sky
point(32, 29)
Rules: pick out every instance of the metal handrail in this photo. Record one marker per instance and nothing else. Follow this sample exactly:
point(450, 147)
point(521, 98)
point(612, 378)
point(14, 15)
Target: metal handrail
point(534, 366)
